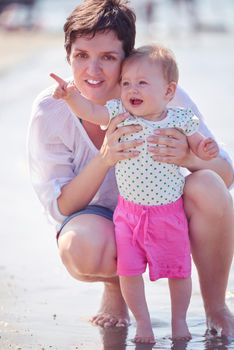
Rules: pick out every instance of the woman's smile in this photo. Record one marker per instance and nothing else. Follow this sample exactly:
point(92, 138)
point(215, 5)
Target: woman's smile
point(94, 83)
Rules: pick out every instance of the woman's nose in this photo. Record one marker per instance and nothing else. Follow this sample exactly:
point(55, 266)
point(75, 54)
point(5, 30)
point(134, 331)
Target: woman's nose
point(93, 67)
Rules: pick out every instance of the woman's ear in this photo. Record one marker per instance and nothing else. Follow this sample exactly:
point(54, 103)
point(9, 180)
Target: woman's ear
point(171, 89)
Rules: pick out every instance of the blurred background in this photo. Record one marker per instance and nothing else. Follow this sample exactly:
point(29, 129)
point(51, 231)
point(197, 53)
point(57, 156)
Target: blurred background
point(41, 307)
point(27, 24)
point(169, 15)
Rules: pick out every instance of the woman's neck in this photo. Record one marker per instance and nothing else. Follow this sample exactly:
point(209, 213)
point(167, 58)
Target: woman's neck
point(95, 133)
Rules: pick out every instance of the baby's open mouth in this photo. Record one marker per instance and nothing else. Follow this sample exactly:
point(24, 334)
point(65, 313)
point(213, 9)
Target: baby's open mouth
point(136, 101)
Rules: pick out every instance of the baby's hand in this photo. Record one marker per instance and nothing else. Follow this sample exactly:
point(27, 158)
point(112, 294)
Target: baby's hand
point(64, 89)
point(209, 148)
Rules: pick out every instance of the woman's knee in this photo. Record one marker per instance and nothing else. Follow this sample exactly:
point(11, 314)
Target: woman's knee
point(87, 254)
point(68, 250)
point(205, 191)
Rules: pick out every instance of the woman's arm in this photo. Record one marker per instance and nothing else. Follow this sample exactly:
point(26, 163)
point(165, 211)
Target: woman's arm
point(82, 188)
point(88, 181)
point(175, 150)
point(219, 165)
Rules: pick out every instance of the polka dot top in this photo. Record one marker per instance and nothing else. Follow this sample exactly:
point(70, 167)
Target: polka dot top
point(142, 180)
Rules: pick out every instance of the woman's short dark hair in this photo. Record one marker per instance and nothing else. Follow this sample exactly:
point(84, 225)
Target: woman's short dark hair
point(95, 16)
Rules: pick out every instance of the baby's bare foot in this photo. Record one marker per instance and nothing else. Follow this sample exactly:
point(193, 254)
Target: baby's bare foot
point(180, 330)
point(144, 340)
point(144, 333)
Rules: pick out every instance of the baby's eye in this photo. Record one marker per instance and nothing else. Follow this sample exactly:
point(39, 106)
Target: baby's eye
point(142, 82)
point(125, 83)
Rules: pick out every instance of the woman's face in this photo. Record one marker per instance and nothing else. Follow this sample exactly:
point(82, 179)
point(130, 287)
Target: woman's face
point(96, 64)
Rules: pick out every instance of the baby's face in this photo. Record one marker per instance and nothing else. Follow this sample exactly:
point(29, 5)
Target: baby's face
point(143, 88)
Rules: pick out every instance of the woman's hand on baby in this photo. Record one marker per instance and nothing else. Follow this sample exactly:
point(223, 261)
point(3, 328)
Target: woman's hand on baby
point(114, 150)
point(64, 89)
point(169, 146)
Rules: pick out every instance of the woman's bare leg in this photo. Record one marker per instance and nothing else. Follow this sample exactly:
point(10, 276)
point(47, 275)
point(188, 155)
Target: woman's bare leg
point(208, 205)
point(133, 290)
point(180, 291)
point(92, 237)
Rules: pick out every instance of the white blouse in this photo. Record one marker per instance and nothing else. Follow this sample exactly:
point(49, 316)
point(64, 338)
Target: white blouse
point(59, 148)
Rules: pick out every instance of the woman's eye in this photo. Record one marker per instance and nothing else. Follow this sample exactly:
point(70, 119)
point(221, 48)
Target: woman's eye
point(108, 58)
point(81, 55)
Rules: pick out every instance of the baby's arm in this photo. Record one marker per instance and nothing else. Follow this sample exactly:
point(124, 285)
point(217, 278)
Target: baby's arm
point(203, 147)
point(81, 106)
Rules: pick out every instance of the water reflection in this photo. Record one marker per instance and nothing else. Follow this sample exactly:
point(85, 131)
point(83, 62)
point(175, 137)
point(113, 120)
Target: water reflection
point(116, 339)
point(179, 345)
point(218, 342)
point(144, 347)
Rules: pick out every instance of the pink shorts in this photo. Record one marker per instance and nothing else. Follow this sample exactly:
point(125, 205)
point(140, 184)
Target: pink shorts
point(153, 235)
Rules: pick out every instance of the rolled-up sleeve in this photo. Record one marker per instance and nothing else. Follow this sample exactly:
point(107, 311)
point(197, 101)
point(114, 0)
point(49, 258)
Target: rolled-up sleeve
point(50, 151)
point(181, 99)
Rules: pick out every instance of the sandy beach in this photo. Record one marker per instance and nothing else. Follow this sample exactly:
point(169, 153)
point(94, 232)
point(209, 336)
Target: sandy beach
point(41, 306)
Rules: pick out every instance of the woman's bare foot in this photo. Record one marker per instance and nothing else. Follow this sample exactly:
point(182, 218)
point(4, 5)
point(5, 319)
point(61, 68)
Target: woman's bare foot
point(113, 310)
point(144, 333)
point(180, 330)
point(222, 320)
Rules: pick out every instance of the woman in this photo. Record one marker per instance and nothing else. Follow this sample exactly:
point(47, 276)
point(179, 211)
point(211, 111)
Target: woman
point(72, 170)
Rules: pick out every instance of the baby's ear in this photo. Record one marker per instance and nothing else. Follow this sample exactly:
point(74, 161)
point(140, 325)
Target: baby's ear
point(171, 89)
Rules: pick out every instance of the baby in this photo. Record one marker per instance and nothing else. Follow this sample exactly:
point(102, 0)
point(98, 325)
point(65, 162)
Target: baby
point(150, 223)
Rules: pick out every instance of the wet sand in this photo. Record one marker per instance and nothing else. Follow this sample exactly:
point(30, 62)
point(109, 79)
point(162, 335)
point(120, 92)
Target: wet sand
point(41, 307)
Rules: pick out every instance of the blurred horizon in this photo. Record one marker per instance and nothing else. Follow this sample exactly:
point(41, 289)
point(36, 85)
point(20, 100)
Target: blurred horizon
point(167, 15)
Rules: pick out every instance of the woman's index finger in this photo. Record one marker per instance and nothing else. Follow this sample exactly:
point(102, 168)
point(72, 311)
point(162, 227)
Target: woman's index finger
point(171, 132)
point(116, 120)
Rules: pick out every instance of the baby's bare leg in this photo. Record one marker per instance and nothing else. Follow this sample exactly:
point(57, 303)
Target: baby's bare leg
point(180, 290)
point(133, 291)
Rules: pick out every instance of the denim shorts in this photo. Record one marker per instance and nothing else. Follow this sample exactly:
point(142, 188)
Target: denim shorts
point(90, 209)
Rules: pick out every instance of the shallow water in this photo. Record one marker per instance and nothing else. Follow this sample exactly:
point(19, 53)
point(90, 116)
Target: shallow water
point(41, 306)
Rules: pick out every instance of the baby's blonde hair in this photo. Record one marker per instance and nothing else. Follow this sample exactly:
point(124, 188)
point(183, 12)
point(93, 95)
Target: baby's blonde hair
point(157, 54)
